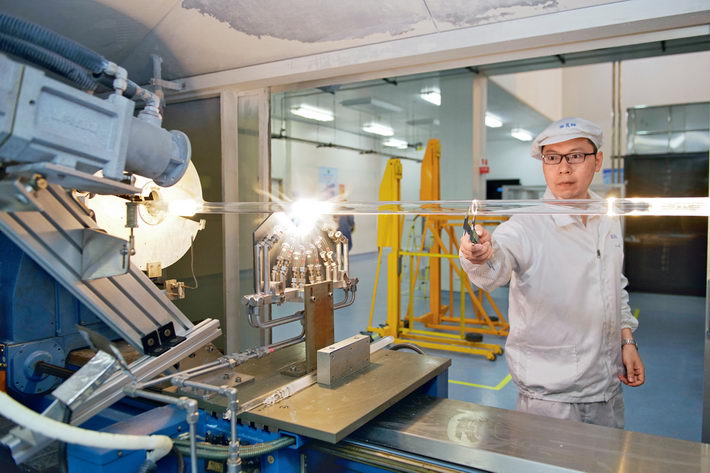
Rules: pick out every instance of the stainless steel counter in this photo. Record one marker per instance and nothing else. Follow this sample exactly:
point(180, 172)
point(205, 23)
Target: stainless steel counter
point(499, 440)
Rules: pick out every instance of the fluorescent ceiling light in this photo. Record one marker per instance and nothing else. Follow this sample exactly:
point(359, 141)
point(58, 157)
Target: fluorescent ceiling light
point(432, 96)
point(395, 143)
point(522, 135)
point(313, 113)
point(423, 121)
point(493, 121)
point(371, 105)
point(378, 129)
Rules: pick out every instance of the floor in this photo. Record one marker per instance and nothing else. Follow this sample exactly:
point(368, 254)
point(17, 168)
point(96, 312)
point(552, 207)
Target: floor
point(670, 337)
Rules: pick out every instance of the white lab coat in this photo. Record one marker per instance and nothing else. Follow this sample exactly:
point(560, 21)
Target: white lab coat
point(568, 303)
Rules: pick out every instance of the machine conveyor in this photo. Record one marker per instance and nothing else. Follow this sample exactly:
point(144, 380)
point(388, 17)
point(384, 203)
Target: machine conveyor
point(498, 440)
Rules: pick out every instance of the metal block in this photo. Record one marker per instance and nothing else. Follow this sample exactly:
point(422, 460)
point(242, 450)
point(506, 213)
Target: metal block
point(343, 359)
point(154, 270)
point(220, 378)
point(318, 323)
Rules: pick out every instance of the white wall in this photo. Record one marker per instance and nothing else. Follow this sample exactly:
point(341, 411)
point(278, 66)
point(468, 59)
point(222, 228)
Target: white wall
point(510, 159)
point(541, 90)
point(456, 131)
point(586, 91)
point(298, 163)
point(676, 79)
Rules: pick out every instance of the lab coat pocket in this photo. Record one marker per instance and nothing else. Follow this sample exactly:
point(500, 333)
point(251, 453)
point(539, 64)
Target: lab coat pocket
point(550, 369)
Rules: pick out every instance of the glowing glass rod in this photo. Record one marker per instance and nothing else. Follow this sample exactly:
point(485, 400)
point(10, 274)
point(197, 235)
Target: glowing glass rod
point(652, 206)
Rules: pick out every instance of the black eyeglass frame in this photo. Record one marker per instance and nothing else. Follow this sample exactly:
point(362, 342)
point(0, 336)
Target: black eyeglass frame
point(567, 158)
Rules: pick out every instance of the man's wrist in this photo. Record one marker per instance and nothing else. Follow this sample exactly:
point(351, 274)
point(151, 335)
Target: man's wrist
point(629, 342)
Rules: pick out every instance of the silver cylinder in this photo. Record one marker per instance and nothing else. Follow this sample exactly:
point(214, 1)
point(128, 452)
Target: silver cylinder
point(156, 153)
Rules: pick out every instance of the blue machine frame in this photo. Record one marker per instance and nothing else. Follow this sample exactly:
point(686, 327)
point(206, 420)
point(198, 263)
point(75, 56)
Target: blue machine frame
point(38, 323)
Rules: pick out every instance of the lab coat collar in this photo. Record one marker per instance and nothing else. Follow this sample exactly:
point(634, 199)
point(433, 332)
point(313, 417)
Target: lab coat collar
point(564, 220)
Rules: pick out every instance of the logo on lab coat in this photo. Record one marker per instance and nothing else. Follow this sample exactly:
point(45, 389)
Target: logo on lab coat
point(615, 237)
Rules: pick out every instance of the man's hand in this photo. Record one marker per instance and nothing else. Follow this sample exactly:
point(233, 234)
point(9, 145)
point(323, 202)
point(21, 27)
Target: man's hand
point(635, 373)
point(480, 252)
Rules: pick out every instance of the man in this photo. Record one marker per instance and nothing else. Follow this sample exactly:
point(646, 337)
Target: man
point(571, 329)
point(346, 225)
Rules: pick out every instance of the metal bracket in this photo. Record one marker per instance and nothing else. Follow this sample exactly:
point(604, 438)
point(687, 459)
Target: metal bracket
point(103, 255)
point(161, 340)
point(73, 179)
point(14, 196)
point(84, 382)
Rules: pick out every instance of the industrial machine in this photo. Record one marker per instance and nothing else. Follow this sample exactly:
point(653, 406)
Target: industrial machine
point(95, 355)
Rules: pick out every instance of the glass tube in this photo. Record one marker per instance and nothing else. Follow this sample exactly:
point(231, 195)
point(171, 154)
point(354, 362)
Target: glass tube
point(656, 206)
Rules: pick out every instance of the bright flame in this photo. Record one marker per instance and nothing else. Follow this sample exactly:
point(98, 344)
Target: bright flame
point(306, 213)
point(611, 206)
point(183, 208)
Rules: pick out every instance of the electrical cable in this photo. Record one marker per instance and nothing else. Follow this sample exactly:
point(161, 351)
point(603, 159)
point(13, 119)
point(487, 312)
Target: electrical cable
point(157, 445)
point(221, 452)
point(62, 459)
point(192, 265)
point(407, 346)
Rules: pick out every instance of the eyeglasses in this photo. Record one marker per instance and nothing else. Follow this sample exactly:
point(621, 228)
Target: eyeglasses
point(572, 158)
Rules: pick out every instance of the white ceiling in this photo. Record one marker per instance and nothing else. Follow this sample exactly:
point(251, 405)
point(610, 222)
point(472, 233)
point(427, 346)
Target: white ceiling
point(201, 36)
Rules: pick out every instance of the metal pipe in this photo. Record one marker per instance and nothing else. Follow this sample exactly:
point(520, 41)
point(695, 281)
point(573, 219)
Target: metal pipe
point(339, 260)
point(321, 144)
point(42, 367)
point(265, 267)
point(346, 258)
point(211, 366)
point(255, 320)
point(347, 301)
point(192, 422)
point(234, 463)
point(290, 341)
point(259, 266)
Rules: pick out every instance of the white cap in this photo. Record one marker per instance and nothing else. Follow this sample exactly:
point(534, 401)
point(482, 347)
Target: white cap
point(566, 129)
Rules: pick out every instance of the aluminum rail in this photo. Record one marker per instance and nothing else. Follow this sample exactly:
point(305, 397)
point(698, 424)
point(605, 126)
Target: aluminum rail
point(51, 235)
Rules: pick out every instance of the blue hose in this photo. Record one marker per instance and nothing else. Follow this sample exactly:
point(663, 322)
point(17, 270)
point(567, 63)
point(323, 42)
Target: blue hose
point(44, 38)
point(47, 59)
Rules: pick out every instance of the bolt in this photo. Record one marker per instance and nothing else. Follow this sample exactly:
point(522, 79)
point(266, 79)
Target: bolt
point(225, 376)
point(270, 459)
point(39, 183)
point(119, 453)
point(313, 298)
